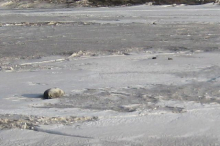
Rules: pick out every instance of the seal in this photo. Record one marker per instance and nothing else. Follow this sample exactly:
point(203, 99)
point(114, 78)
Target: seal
point(53, 93)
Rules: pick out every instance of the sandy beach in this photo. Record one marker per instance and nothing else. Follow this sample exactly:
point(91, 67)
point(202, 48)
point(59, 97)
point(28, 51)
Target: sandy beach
point(139, 76)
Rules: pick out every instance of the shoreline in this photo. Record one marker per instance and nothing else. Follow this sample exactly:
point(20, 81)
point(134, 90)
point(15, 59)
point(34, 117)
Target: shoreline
point(17, 4)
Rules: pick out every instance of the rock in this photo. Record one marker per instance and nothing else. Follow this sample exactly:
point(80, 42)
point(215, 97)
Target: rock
point(149, 3)
point(170, 58)
point(53, 93)
point(23, 125)
point(9, 69)
point(125, 53)
point(77, 54)
point(51, 23)
point(217, 1)
point(154, 57)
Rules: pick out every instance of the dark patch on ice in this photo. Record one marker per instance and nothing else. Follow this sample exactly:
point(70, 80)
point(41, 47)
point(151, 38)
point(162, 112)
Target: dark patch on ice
point(210, 73)
point(175, 109)
point(125, 100)
point(177, 48)
point(137, 98)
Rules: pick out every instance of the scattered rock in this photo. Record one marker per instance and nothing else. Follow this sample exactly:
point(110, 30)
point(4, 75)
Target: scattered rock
point(77, 54)
point(9, 69)
point(32, 122)
point(170, 58)
point(81, 53)
point(217, 2)
point(53, 93)
point(51, 23)
point(154, 57)
point(125, 53)
point(149, 3)
point(174, 5)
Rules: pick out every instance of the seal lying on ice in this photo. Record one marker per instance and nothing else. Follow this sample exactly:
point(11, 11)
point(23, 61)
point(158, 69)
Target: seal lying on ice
point(53, 93)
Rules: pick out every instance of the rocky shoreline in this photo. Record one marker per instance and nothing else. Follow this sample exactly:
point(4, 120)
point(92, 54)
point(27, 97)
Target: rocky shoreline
point(27, 4)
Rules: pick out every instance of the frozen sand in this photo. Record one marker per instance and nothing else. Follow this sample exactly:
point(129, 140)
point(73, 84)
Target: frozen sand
point(112, 98)
point(134, 99)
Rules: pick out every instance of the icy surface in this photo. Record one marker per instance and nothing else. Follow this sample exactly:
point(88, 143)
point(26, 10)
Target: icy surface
point(137, 75)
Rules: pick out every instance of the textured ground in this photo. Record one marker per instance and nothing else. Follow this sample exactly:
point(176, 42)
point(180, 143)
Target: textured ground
point(26, 33)
point(142, 75)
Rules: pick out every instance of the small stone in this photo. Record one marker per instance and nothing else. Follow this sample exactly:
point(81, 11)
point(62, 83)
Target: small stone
point(170, 58)
point(53, 93)
point(78, 54)
point(149, 3)
point(154, 57)
point(9, 69)
point(51, 23)
point(23, 125)
point(125, 53)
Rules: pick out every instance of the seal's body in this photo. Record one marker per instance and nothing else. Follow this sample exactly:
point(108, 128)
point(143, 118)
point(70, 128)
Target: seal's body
point(53, 93)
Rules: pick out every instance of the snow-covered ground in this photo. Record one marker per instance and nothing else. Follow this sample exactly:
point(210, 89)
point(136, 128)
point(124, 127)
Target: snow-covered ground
point(161, 92)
